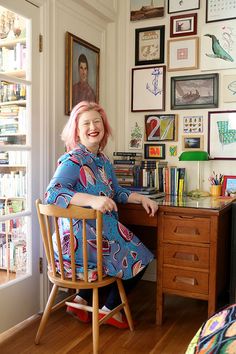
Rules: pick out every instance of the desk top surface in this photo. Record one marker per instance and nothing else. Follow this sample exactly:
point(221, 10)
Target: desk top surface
point(216, 203)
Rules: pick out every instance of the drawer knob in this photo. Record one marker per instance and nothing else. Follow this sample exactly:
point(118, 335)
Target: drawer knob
point(186, 256)
point(185, 280)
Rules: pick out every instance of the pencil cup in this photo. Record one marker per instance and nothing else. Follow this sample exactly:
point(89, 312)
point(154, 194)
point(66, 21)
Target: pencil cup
point(216, 190)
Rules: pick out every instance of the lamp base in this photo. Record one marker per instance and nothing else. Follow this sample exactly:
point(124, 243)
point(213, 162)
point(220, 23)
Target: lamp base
point(197, 193)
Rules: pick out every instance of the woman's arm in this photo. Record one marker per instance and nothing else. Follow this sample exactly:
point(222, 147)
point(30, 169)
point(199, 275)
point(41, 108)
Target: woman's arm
point(149, 205)
point(100, 203)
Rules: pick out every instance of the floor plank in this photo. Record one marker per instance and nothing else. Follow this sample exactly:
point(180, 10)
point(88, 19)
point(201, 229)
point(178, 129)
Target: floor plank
point(65, 335)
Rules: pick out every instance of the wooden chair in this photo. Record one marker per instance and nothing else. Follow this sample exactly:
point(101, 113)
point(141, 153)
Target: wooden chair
point(48, 219)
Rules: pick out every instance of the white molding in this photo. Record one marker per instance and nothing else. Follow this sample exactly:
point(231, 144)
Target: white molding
point(105, 9)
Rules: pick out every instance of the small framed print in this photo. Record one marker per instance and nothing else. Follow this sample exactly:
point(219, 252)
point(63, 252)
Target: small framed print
point(149, 45)
point(140, 10)
point(183, 54)
point(161, 127)
point(183, 25)
point(229, 88)
point(181, 6)
point(192, 142)
point(229, 186)
point(193, 124)
point(154, 151)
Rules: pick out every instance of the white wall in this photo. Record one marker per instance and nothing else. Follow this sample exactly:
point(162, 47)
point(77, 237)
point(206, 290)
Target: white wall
point(128, 58)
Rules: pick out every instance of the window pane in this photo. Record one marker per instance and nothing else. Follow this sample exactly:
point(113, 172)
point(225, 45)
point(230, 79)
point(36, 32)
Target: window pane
point(12, 43)
point(13, 249)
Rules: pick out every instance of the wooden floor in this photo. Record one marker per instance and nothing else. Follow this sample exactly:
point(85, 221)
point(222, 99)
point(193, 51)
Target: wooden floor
point(65, 335)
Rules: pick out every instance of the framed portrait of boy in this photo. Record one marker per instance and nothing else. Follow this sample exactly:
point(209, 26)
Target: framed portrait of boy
point(81, 72)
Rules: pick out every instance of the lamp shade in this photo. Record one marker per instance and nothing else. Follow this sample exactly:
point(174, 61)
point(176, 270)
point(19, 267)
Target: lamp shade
point(194, 156)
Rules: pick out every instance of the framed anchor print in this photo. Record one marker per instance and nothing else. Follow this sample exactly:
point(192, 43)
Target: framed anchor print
point(148, 89)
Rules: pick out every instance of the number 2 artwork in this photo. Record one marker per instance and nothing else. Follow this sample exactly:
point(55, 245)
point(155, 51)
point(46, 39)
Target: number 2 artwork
point(161, 127)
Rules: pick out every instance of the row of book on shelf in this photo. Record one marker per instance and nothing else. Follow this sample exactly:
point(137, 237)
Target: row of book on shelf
point(136, 173)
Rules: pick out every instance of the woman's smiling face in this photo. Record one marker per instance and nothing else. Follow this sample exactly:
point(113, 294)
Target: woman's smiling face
point(90, 130)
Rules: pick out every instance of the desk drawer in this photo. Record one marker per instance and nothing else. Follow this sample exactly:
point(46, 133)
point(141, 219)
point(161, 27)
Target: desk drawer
point(186, 256)
point(186, 228)
point(185, 280)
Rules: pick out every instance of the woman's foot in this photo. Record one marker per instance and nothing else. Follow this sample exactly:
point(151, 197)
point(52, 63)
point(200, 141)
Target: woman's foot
point(81, 315)
point(118, 320)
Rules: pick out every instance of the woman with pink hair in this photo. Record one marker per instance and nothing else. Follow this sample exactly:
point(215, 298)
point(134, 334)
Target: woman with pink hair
point(85, 177)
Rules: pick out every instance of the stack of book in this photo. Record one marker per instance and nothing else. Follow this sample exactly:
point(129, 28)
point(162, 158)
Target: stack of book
point(174, 180)
point(127, 167)
point(152, 172)
point(150, 192)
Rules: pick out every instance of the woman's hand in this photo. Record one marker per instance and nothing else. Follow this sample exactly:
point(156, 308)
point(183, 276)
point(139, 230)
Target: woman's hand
point(149, 205)
point(103, 204)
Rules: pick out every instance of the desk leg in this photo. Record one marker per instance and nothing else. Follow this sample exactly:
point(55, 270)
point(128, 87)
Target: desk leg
point(159, 307)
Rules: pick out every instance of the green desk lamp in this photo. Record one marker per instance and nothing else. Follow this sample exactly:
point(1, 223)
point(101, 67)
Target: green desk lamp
point(196, 156)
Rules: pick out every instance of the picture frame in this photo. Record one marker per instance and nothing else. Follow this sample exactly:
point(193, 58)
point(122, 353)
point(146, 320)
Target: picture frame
point(192, 142)
point(229, 185)
point(81, 71)
point(220, 10)
point(148, 89)
point(154, 151)
point(222, 135)
point(180, 6)
point(149, 45)
point(183, 25)
point(195, 91)
point(193, 124)
point(140, 11)
point(229, 88)
point(183, 54)
point(161, 127)
point(218, 46)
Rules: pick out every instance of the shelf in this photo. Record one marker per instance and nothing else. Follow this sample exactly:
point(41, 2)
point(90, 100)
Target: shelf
point(8, 103)
point(12, 42)
point(15, 73)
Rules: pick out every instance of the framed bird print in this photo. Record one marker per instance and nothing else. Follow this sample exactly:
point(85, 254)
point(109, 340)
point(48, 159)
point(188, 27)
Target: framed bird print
point(218, 46)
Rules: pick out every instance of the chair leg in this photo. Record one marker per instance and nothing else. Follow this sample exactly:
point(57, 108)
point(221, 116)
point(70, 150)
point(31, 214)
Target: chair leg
point(125, 301)
point(46, 313)
point(95, 321)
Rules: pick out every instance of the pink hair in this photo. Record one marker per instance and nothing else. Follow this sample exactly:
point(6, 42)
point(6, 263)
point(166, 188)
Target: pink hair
point(69, 134)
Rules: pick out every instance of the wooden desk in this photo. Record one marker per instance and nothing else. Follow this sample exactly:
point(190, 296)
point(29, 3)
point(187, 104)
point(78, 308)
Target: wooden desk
point(193, 247)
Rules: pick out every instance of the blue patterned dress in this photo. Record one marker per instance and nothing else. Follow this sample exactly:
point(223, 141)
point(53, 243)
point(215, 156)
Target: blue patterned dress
point(79, 170)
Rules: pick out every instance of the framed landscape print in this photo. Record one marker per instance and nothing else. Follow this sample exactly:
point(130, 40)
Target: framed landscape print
point(82, 72)
point(222, 135)
point(180, 6)
point(149, 45)
point(148, 89)
point(143, 9)
point(183, 25)
point(194, 91)
point(182, 54)
point(161, 127)
point(192, 142)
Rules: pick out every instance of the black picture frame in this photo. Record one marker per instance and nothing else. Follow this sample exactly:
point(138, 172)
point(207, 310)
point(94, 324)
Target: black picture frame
point(154, 151)
point(195, 91)
point(178, 6)
point(215, 12)
point(149, 45)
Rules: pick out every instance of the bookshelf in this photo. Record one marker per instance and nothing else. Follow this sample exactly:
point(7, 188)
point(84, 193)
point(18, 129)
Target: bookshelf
point(14, 152)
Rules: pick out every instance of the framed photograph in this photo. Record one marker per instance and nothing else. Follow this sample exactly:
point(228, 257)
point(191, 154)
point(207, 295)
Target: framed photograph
point(222, 135)
point(161, 127)
point(154, 151)
point(183, 54)
point(219, 10)
point(229, 185)
point(218, 46)
point(148, 89)
point(149, 45)
point(183, 25)
point(193, 124)
point(82, 72)
point(141, 10)
point(194, 91)
point(181, 6)
point(229, 88)
point(192, 142)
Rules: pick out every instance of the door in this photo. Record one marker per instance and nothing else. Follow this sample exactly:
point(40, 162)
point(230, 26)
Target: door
point(19, 161)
